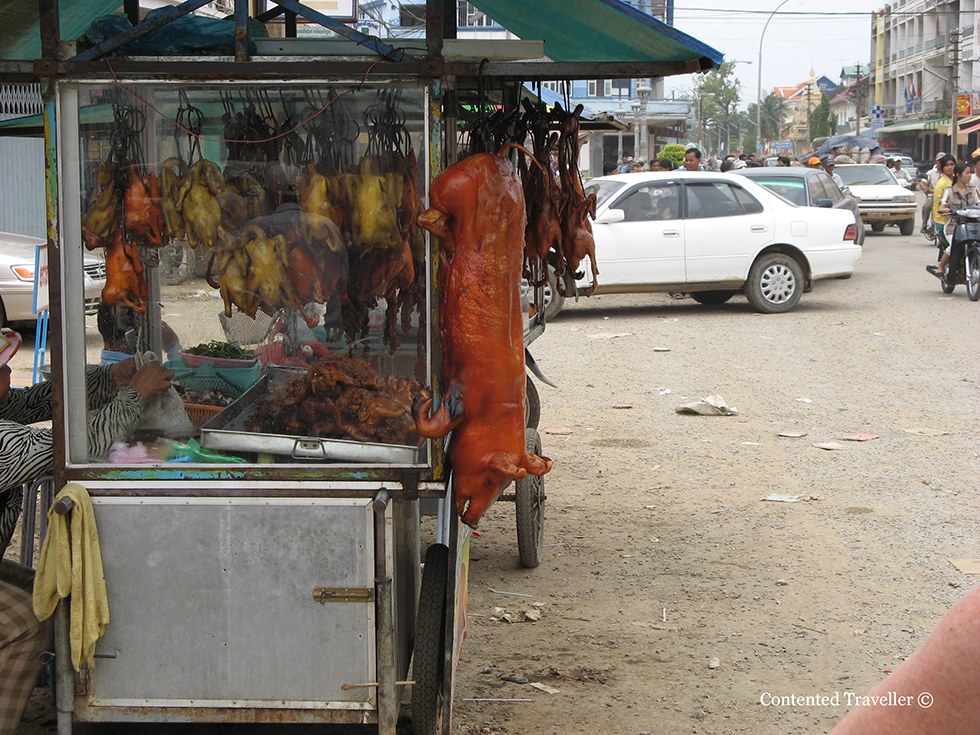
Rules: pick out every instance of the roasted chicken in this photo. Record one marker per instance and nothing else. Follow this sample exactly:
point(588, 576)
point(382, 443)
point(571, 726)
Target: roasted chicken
point(202, 212)
point(103, 212)
point(374, 200)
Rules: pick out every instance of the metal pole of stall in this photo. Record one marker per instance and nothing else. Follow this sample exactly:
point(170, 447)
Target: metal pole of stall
point(64, 674)
point(384, 606)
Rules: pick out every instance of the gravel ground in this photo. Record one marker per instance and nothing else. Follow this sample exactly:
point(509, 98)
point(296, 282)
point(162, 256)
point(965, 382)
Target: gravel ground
point(673, 598)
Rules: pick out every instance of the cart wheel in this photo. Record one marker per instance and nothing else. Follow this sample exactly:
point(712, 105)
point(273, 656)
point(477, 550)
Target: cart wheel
point(529, 503)
point(532, 414)
point(176, 263)
point(428, 664)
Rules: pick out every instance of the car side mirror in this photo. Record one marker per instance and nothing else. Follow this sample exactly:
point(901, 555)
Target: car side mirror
point(610, 216)
point(825, 203)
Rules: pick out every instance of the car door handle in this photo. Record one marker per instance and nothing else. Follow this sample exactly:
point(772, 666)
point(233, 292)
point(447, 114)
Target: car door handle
point(759, 228)
point(672, 233)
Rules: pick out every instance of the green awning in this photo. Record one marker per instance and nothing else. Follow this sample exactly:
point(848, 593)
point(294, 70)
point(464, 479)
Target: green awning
point(914, 125)
point(596, 31)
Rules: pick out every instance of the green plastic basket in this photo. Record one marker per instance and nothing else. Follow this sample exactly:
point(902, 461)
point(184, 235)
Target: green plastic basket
point(237, 380)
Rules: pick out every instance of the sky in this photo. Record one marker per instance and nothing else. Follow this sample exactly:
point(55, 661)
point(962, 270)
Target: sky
point(823, 34)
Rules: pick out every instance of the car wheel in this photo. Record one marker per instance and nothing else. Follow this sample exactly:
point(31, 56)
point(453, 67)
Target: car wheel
point(775, 283)
point(712, 297)
point(907, 227)
point(878, 227)
point(553, 301)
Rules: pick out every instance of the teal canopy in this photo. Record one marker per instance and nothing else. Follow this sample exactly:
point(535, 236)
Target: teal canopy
point(596, 30)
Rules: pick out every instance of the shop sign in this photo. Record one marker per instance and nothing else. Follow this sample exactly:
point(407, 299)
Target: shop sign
point(962, 105)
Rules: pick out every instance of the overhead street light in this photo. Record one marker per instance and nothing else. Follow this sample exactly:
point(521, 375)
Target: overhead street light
point(758, 93)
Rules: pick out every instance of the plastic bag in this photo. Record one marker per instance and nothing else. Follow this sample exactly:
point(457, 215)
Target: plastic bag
point(165, 414)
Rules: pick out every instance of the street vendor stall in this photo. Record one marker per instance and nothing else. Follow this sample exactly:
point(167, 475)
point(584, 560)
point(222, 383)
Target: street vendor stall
point(260, 531)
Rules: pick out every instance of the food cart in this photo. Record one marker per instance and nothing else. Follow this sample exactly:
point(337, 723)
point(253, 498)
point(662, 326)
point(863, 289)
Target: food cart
point(262, 560)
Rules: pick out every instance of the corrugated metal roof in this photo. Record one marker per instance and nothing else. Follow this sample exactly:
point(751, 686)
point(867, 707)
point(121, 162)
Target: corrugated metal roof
point(596, 30)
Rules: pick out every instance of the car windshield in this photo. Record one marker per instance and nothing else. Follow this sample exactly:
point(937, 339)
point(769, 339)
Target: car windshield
point(858, 175)
point(789, 188)
point(603, 190)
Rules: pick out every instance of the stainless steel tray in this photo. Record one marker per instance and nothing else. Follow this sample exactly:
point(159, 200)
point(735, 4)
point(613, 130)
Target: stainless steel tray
point(227, 432)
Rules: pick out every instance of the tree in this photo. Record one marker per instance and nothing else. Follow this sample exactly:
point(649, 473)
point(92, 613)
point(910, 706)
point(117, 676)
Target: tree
point(674, 152)
point(822, 122)
point(715, 99)
point(772, 116)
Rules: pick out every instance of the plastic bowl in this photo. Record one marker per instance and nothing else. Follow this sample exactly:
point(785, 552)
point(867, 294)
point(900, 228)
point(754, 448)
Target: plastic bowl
point(193, 361)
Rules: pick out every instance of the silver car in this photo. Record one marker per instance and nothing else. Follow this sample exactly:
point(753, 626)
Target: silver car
point(17, 258)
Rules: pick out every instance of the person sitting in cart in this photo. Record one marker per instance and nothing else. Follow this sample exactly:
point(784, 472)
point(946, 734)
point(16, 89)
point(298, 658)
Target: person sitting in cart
point(26, 454)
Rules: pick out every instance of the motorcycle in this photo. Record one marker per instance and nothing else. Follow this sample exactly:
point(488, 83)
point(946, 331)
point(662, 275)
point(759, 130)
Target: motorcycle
point(964, 254)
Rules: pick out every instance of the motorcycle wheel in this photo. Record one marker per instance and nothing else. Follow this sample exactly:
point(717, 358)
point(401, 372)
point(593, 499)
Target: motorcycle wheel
point(947, 283)
point(973, 273)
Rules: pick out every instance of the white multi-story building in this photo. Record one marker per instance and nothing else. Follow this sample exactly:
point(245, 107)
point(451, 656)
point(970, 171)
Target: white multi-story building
point(919, 49)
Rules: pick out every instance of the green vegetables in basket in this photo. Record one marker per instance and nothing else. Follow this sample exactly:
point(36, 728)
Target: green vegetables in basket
point(224, 350)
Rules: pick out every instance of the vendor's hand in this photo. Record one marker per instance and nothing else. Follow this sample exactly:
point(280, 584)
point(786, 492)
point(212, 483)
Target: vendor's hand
point(123, 371)
point(151, 378)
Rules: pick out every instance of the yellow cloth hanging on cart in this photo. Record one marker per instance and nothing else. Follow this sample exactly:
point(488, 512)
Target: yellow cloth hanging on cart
point(71, 564)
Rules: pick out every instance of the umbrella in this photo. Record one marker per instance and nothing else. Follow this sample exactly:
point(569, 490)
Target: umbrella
point(848, 142)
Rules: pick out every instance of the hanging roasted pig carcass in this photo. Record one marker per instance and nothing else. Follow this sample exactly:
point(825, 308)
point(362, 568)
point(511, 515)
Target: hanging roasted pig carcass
point(478, 215)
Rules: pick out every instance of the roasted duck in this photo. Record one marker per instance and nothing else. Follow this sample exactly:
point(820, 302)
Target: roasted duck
point(143, 215)
point(478, 215)
point(124, 268)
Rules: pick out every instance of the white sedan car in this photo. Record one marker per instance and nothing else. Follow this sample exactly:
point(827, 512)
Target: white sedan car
point(711, 236)
point(17, 257)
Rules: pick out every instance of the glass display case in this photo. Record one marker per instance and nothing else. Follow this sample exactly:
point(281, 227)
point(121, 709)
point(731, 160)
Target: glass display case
point(261, 240)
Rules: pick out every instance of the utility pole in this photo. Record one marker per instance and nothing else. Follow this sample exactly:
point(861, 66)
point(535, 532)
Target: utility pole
point(808, 136)
point(860, 104)
point(954, 68)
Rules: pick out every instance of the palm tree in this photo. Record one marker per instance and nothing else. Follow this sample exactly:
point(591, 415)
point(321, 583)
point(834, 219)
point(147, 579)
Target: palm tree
point(771, 116)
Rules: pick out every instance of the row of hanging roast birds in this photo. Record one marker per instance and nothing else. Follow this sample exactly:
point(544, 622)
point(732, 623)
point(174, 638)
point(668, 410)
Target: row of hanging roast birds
point(282, 239)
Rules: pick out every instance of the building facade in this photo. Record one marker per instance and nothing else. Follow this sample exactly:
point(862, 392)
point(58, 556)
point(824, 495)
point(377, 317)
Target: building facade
point(922, 52)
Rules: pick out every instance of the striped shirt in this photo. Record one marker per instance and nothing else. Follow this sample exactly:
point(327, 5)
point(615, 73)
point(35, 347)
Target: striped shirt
point(27, 453)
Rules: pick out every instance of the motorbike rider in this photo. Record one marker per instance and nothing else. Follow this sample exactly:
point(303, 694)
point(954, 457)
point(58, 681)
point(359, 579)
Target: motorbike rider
point(927, 184)
point(959, 195)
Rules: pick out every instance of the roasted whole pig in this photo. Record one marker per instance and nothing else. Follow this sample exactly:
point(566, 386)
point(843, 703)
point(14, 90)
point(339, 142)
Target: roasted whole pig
point(478, 215)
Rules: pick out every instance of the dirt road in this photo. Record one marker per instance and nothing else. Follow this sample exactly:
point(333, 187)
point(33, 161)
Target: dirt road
point(673, 598)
